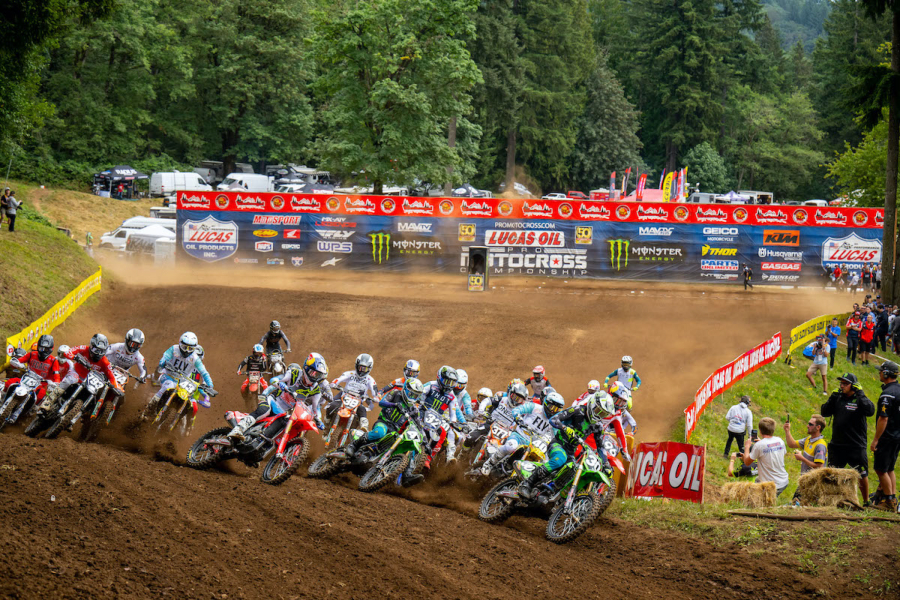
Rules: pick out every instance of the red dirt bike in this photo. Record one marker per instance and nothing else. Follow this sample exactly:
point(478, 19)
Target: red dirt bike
point(342, 422)
point(254, 386)
point(283, 434)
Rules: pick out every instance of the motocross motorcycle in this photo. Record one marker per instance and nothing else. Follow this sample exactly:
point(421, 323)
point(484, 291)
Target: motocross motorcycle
point(276, 364)
point(20, 398)
point(253, 388)
point(576, 495)
point(177, 405)
point(105, 406)
point(342, 423)
point(79, 402)
point(399, 448)
point(282, 433)
point(333, 463)
point(535, 451)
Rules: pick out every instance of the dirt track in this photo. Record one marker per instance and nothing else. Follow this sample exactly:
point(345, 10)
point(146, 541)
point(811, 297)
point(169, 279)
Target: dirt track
point(131, 523)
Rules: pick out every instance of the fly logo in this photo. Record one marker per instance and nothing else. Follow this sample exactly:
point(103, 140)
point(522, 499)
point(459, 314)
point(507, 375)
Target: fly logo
point(334, 234)
point(707, 250)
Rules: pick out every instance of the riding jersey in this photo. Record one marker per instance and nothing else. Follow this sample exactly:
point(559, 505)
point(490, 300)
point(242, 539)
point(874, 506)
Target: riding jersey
point(583, 399)
point(174, 360)
point(614, 423)
point(576, 419)
point(254, 363)
point(501, 410)
point(101, 366)
point(391, 412)
point(119, 357)
point(537, 385)
point(47, 369)
point(461, 408)
point(435, 398)
point(271, 341)
point(394, 385)
point(363, 387)
point(627, 378)
point(534, 418)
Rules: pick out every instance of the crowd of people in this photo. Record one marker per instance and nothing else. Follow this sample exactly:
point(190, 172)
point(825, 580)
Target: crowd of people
point(8, 208)
point(865, 279)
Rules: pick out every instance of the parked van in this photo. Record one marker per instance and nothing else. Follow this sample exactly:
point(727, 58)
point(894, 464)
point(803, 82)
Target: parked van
point(758, 197)
point(116, 239)
point(162, 212)
point(162, 184)
point(213, 171)
point(250, 182)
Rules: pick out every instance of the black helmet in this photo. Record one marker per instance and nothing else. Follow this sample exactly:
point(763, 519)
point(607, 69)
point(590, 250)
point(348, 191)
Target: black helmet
point(45, 346)
point(890, 368)
point(98, 347)
point(546, 392)
point(134, 339)
point(275, 326)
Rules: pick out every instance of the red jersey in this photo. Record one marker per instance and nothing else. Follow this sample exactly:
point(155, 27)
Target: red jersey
point(48, 368)
point(101, 366)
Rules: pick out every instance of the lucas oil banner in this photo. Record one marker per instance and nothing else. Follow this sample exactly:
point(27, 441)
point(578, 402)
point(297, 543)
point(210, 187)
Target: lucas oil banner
point(617, 240)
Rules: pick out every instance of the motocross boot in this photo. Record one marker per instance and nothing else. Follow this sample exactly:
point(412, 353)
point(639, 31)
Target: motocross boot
point(489, 464)
point(237, 434)
point(408, 478)
point(151, 405)
point(526, 489)
point(351, 448)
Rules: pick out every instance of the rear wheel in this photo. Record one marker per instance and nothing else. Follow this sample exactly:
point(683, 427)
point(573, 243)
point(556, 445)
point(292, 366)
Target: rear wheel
point(379, 476)
point(202, 455)
point(607, 494)
point(60, 424)
point(278, 470)
point(323, 467)
point(495, 508)
point(565, 526)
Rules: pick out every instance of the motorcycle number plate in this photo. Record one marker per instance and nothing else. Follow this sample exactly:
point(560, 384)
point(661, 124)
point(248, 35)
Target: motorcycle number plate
point(30, 380)
point(351, 402)
point(432, 419)
point(188, 386)
point(592, 462)
point(498, 431)
point(254, 377)
point(540, 445)
point(121, 378)
point(94, 383)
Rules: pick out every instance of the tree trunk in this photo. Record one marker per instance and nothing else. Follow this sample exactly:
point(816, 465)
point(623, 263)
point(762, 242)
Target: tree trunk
point(229, 158)
point(510, 158)
point(671, 155)
point(377, 187)
point(889, 279)
point(451, 141)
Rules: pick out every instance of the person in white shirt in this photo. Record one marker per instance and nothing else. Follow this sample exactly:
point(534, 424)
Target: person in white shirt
point(768, 453)
point(740, 421)
point(821, 352)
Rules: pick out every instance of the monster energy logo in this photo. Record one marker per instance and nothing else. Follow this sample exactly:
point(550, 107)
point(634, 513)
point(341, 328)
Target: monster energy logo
point(380, 241)
point(616, 249)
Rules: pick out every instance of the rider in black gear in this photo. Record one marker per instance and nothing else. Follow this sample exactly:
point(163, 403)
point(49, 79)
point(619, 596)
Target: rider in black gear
point(271, 340)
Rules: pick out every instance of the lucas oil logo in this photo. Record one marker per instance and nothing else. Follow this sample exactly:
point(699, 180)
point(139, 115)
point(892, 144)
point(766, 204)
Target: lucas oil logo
point(210, 239)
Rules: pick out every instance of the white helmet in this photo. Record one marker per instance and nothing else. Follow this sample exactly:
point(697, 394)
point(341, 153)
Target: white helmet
point(593, 386)
point(626, 360)
point(484, 393)
point(62, 351)
point(462, 379)
point(187, 343)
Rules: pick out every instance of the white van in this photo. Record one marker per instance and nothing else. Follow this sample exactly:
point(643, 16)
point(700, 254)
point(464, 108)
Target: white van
point(163, 184)
point(162, 212)
point(115, 240)
point(249, 182)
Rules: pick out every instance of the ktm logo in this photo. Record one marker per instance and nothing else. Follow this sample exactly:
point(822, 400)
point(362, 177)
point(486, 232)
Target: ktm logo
point(781, 238)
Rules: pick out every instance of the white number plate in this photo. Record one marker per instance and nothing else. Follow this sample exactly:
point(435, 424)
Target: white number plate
point(540, 445)
point(30, 380)
point(351, 402)
point(254, 376)
point(189, 386)
point(498, 431)
point(432, 419)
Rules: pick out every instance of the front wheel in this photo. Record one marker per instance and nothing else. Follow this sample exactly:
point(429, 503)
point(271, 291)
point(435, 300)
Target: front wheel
point(495, 508)
point(60, 424)
point(380, 475)
point(278, 470)
point(9, 410)
point(90, 428)
point(565, 526)
point(323, 468)
point(202, 455)
point(37, 425)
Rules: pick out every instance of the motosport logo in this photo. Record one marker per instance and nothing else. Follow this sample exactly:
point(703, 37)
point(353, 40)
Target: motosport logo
point(381, 247)
point(708, 250)
point(335, 247)
point(780, 237)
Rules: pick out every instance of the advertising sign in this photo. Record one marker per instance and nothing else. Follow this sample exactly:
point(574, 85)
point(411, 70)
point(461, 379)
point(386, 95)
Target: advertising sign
point(668, 470)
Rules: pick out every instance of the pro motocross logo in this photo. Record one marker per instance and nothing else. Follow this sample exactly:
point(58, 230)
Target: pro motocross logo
point(381, 247)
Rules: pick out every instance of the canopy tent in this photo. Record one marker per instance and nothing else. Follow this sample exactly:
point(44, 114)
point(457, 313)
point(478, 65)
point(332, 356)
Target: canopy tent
point(734, 198)
point(122, 173)
point(144, 240)
point(650, 195)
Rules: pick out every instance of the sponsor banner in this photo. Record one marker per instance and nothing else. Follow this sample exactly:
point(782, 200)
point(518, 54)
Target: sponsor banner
point(624, 253)
point(54, 317)
point(780, 266)
point(850, 252)
point(210, 239)
point(803, 334)
point(669, 470)
point(525, 208)
point(726, 376)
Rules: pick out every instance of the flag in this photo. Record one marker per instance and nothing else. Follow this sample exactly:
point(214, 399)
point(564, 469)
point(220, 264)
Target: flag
point(667, 186)
point(625, 181)
point(679, 195)
point(642, 181)
point(661, 177)
point(612, 184)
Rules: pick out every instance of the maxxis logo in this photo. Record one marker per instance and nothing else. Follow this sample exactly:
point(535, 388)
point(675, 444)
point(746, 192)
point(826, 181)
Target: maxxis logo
point(381, 247)
point(617, 250)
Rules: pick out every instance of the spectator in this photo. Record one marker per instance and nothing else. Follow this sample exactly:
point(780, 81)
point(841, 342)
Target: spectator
point(769, 453)
point(854, 282)
point(748, 275)
point(881, 329)
point(834, 332)
point(854, 326)
point(744, 470)
point(12, 205)
point(821, 351)
point(895, 331)
point(867, 277)
point(867, 339)
point(740, 420)
point(120, 189)
point(4, 204)
point(877, 277)
point(886, 443)
point(812, 450)
point(850, 409)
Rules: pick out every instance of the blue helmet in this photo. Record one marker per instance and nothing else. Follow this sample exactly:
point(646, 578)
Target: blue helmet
point(447, 378)
point(315, 368)
point(258, 350)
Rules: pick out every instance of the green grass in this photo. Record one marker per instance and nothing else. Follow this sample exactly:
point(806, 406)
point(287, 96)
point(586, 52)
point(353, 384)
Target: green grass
point(38, 267)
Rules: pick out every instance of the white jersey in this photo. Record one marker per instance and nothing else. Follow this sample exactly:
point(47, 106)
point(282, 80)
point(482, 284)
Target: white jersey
point(534, 418)
point(118, 357)
point(363, 387)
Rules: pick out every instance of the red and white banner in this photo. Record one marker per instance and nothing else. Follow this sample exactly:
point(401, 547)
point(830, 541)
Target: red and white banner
point(642, 181)
point(523, 208)
point(726, 376)
point(667, 469)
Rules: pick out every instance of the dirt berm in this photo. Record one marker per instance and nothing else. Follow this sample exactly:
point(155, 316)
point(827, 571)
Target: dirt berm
point(122, 518)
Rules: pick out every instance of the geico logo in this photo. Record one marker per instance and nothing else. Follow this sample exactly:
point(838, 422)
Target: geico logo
point(720, 231)
point(781, 238)
point(707, 250)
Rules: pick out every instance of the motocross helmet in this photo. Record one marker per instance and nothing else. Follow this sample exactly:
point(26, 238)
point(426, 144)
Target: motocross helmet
point(538, 372)
point(412, 389)
point(620, 396)
point(513, 383)
point(274, 326)
point(292, 376)
point(314, 369)
point(187, 343)
point(199, 352)
point(546, 392)
point(258, 351)
point(447, 378)
point(626, 362)
point(62, 351)
point(134, 339)
point(553, 403)
point(517, 394)
point(462, 380)
point(364, 364)
point(411, 369)
point(484, 393)
point(99, 345)
point(593, 386)
point(45, 346)
point(292, 366)
point(599, 407)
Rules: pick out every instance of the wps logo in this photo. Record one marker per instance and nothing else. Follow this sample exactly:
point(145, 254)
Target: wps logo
point(381, 247)
point(617, 250)
point(707, 250)
point(781, 238)
point(335, 247)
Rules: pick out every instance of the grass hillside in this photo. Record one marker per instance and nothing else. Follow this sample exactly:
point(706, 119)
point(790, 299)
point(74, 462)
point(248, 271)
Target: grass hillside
point(80, 212)
point(38, 267)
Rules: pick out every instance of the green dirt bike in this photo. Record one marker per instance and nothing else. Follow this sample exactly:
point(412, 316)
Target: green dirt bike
point(391, 463)
point(333, 463)
point(576, 494)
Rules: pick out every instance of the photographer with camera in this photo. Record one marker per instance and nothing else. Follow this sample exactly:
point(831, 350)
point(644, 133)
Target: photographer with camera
point(850, 409)
point(750, 470)
point(821, 353)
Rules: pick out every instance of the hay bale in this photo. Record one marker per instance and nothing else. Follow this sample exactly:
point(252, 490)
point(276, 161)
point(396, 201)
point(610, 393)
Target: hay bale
point(829, 487)
point(754, 495)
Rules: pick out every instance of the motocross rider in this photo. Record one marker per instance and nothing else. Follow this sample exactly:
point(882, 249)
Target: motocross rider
point(500, 408)
point(43, 363)
point(255, 361)
point(395, 406)
point(483, 398)
point(460, 412)
point(411, 370)
point(91, 357)
point(438, 396)
point(572, 425)
point(538, 382)
point(271, 340)
point(621, 397)
point(358, 383)
point(625, 375)
point(128, 353)
point(304, 383)
point(592, 388)
point(182, 357)
point(530, 418)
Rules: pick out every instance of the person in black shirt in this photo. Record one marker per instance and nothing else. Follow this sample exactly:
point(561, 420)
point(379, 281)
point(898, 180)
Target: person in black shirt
point(886, 443)
point(748, 275)
point(881, 328)
point(850, 408)
point(271, 340)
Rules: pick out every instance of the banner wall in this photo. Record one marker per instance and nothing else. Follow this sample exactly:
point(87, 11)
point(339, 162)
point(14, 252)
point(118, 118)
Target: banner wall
point(645, 241)
point(667, 469)
point(803, 334)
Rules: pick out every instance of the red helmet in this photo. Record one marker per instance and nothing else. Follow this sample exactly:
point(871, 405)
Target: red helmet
point(538, 372)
